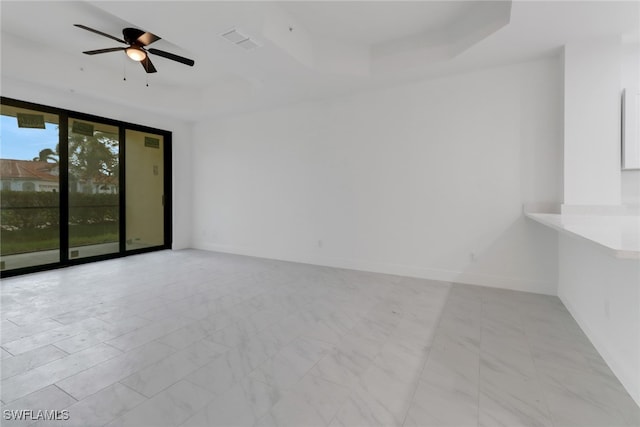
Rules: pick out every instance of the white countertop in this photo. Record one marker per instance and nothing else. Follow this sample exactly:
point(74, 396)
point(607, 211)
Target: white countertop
point(620, 234)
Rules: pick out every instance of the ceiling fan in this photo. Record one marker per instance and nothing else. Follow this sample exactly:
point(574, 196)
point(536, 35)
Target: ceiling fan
point(137, 50)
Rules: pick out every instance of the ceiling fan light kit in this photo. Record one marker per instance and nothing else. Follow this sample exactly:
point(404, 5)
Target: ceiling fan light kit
point(136, 53)
point(137, 41)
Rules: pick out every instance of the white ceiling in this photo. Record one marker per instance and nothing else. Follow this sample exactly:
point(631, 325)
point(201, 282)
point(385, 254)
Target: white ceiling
point(373, 22)
point(309, 49)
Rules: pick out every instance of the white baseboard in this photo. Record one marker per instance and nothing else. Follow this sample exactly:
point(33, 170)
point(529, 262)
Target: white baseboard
point(494, 281)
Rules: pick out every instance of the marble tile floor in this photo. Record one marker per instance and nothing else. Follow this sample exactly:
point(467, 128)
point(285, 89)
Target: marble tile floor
point(195, 338)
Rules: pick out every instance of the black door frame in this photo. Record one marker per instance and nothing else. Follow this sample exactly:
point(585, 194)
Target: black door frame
point(63, 135)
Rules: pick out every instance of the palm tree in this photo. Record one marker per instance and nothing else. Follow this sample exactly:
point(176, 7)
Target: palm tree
point(47, 155)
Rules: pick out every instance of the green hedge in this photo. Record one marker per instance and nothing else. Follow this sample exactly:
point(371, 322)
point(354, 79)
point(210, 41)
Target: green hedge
point(93, 208)
point(29, 209)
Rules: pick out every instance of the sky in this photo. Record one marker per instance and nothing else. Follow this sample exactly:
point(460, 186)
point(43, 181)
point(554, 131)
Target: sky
point(25, 144)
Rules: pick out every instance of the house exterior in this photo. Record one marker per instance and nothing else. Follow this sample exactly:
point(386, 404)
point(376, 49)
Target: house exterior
point(28, 175)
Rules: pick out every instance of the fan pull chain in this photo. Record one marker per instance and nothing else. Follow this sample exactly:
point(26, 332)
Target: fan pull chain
point(147, 75)
point(124, 70)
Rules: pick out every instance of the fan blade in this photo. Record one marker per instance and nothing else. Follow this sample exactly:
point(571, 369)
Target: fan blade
point(172, 56)
point(148, 66)
point(111, 49)
point(147, 38)
point(84, 27)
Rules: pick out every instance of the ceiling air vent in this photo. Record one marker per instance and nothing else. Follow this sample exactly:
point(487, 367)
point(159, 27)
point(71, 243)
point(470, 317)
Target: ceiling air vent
point(239, 39)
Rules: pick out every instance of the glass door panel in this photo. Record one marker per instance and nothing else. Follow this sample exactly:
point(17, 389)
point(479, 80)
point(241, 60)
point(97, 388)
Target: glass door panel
point(94, 208)
point(144, 189)
point(29, 191)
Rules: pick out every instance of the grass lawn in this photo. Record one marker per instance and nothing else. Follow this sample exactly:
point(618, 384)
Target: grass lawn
point(34, 240)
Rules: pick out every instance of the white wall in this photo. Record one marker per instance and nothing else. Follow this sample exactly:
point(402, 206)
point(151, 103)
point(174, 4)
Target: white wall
point(181, 140)
point(631, 79)
point(592, 88)
point(603, 295)
point(425, 180)
point(631, 188)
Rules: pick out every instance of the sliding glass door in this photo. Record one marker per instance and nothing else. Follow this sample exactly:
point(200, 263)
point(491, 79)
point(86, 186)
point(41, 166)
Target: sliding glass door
point(94, 201)
point(77, 188)
point(145, 189)
point(30, 186)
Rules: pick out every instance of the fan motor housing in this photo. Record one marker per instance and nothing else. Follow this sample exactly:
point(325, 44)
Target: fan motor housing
point(131, 35)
